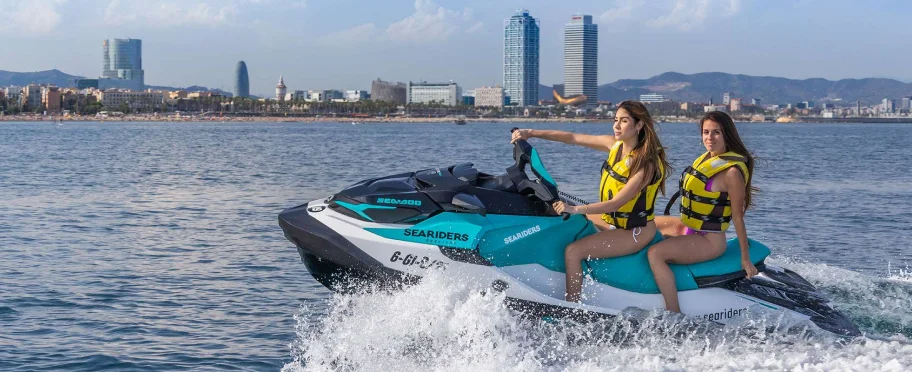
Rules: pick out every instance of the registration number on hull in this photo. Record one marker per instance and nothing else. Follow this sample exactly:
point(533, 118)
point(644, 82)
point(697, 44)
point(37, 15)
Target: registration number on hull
point(423, 262)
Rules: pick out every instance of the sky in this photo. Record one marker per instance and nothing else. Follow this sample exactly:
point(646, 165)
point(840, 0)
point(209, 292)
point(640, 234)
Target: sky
point(344, 44)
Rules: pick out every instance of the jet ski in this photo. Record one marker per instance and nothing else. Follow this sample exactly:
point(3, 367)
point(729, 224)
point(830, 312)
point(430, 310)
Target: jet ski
point(501, 231)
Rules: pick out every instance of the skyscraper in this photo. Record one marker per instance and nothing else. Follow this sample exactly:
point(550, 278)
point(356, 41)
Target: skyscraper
point(280, 89)
point(581, 59)
point(521, 58)
point(241, 80)
point(122, 64)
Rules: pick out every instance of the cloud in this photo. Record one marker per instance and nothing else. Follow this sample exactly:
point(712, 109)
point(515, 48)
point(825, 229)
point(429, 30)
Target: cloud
point(683, 15)
point(428, 23)
point(623, 10)
point(477, 27)
point(358, 34)
point(29, 16)
point(168, 13)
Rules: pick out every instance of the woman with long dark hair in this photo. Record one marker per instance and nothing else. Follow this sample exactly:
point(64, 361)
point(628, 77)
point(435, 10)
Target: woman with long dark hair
point(715, 192)
point(631, 178)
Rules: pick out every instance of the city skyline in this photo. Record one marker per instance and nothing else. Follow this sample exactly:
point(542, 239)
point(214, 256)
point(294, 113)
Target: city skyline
point(348, 44)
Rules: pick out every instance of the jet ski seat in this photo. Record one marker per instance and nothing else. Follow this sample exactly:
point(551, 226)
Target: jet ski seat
point(632, 272)
point(465, 172)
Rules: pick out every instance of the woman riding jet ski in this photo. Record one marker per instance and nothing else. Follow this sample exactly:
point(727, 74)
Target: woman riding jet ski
point(501, 231)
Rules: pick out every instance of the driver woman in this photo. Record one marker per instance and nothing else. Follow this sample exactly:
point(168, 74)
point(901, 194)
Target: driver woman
point(631, 178)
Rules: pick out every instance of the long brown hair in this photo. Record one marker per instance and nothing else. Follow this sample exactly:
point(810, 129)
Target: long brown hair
point(734, 144)
point(648, 151)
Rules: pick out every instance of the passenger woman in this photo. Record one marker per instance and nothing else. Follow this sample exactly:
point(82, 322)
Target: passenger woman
point(715, 192)
point(631, 178)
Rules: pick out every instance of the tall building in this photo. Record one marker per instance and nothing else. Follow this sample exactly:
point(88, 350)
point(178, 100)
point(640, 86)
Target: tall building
point(756, 101)
point(388, 92)
point(520, 67)
point(888, 105)
point(906, 103)
point(581, 59)
point(30, 98)
point(726, 98)
point(241, 80)
point(122, 64)
point(735, 104)
point(448, 94)
point(50, 98)
point(280, 89)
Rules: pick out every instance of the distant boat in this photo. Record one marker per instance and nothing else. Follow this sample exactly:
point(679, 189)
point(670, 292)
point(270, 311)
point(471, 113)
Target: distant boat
point(355, 123)
point(460, 120)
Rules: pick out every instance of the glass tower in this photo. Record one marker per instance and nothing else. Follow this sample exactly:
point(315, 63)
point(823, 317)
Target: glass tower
point(123, 61)
point(581, 59)
point(521, 58)
point(241, 80)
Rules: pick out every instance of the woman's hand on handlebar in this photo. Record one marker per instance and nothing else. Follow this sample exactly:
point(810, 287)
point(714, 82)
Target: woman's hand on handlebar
point(521, 134)
point(749, 268)
point(561, 207)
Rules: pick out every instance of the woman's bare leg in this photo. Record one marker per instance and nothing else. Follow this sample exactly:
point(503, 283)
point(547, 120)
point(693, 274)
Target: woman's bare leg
point(682, 250)
point(604, 244)
point(670, 226)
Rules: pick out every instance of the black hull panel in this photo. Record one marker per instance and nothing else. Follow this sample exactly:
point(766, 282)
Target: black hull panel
point(333, 260)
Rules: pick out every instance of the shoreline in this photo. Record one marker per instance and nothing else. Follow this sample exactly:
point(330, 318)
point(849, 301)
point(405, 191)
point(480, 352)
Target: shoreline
point(292, 119)
point(413, 120)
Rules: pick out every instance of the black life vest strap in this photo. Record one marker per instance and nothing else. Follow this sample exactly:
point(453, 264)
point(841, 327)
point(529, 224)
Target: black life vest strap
point(721, 200)
point(693, 172)
point(702, 217)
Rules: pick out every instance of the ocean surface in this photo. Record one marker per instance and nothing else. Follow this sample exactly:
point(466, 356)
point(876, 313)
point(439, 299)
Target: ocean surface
point(155, 246)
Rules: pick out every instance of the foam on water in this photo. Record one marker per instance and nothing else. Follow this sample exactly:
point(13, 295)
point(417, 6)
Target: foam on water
point(881, 307)
point(447, 326)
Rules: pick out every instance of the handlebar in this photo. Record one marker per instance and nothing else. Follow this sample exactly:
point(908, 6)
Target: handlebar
point(520, 148)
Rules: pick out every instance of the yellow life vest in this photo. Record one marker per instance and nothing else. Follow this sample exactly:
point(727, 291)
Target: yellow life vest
point(704, 210)
point(639, 210)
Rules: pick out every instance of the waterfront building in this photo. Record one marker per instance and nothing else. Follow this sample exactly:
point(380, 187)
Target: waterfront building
point(330, 95)
point(298, 95)
point(468, 100)
point(581, 59)
point(86, 83)
point(711, 108)
point(201, 94)
point(388, 92)
point(177, 94)
point(30, 98)
point(756, 101)
point(449, 94)
point(356, 95)
point(735, 104)
point(280, 89)
point(241, 81)
point(906, 103)
point(324, 95)
point(521, 57)
point(888, 105)
point(490, 97)
point(808, 104)
point(122, 64)
point(726, 98)
point(652, 97)
point(113, 99)
point(50, 98)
